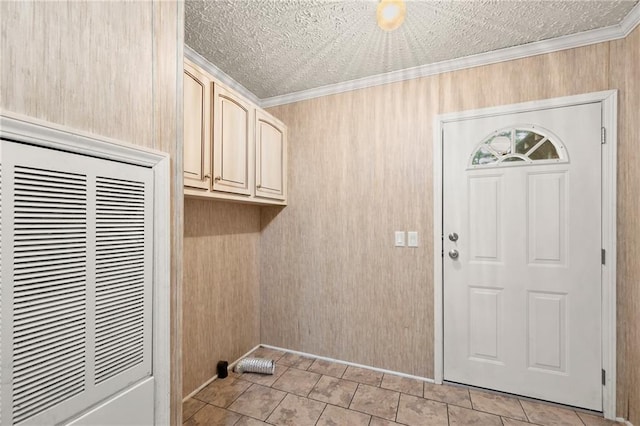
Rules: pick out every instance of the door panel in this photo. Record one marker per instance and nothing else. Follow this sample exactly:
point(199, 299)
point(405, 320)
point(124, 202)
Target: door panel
point(271, 157)
point(76, 282)
point(232, 133)
point(197, 132)
point(522, 299)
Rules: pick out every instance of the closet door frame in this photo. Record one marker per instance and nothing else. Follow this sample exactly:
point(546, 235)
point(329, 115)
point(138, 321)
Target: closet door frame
point(29, 130)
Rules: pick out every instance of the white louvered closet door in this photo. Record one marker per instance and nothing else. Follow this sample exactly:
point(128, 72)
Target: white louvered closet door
point(76, 294)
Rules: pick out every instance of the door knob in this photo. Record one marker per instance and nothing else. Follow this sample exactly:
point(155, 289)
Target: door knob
point(453, 253)
point(453, 236)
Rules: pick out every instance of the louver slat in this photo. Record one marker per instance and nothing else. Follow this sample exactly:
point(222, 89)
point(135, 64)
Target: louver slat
point(120, 295)
point(49, 292)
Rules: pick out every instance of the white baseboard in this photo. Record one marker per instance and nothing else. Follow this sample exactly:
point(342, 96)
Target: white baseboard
point(205, 384)
point(622, 420)
point(353, 364)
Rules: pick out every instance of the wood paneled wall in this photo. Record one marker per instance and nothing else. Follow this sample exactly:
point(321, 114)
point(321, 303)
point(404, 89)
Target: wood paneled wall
point(624, 71)
point(110, 68)
point(221, 315)
point(361, 167)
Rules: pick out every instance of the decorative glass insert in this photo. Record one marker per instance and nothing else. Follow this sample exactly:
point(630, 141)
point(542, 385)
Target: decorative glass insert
point(520, 145)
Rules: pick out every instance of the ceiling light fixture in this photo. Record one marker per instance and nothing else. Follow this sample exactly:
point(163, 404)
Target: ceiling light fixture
point(390, 14)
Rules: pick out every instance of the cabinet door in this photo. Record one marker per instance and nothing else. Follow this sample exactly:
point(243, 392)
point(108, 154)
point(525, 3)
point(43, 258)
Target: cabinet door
point(271, 157)
point(232, 134)
point(197, 130)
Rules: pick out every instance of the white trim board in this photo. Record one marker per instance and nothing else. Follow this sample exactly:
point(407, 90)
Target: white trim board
point(208, 381)
point(609, 100)
point(585, 38)
point(571, 41)
point(308, 355)
point(220, 75)
point(32, 131)
point(352, 364)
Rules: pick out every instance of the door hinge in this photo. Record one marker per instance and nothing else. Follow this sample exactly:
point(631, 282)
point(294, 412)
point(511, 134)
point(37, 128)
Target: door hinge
point(603, 135)
point(604, 377)
point(603, 256)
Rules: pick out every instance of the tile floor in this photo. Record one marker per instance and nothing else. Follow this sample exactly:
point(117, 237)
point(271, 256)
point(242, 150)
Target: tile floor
point(306, 391)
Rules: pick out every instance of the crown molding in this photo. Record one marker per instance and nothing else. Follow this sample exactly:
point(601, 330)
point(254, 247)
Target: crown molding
point(614, 32)
point(599, 35)
point(219, 75)
point(631, 21)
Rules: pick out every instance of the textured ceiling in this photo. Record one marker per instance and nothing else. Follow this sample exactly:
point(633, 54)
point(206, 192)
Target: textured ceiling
point(275, 47)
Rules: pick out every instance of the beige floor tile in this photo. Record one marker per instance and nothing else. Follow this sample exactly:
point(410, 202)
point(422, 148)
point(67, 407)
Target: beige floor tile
point(296, 411)
point(513, 422)
point(376, 421)
point(327, 368)
point(497, 404)
point(550, 415)
point(402, 384)
point(362, 375)
point(296, 361)
point(222, 392)
point(213, 416)
point(375, 401)
point(190, 407)
point(459, 416)
point(334, 391)
point(592, 420)
point(416, 411)
point(455, 395)
point(297, 381)
point(248, 421)
point(264, 379)
point(257, 401)
point(267, 353)
point(335, 416)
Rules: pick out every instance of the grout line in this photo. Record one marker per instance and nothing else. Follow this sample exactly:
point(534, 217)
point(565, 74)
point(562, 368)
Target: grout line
point(397, 406)
point(196, 412)
point(524, 411)
point(320, 416)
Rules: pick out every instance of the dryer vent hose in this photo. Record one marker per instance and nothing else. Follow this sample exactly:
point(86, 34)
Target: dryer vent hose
point(256, 365)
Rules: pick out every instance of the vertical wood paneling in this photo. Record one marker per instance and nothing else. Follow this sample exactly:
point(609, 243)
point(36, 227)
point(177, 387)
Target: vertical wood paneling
point(87, 65)
point(625, 72)
point(221, 292)
point(361, 167)
point(332, 282)
point(109, 68)
point(168, 46)
point(565, 73)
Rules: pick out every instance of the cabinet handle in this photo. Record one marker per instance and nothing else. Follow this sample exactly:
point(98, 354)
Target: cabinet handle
point(258, 186)
point(217, 178)
point(207, 176)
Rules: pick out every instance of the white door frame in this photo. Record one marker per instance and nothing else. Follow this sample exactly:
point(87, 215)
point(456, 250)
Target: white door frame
point(609, 100)
point(29, 130)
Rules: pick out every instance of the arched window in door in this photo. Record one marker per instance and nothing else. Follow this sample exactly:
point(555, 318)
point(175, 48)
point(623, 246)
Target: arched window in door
point(520, 145)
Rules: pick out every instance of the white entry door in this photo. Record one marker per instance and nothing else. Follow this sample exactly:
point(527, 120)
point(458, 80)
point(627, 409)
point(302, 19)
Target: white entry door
point(522, 253)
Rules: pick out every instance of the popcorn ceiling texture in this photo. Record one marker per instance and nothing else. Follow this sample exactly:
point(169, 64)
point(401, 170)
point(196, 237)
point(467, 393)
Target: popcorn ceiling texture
point(275, 47)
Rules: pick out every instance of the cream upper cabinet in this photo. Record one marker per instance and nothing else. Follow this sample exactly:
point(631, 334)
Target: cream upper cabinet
point(197, 130)
point(271, 156)
point(233, 150)
point(232, 142)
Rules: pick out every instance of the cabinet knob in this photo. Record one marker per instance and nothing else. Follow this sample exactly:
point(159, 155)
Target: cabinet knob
point(217, 178)
point(258, 186)
point(207, 176)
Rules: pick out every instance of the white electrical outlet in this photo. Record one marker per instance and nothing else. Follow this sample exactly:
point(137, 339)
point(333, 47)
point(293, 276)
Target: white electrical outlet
point(412, 239)
point(399, 238)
